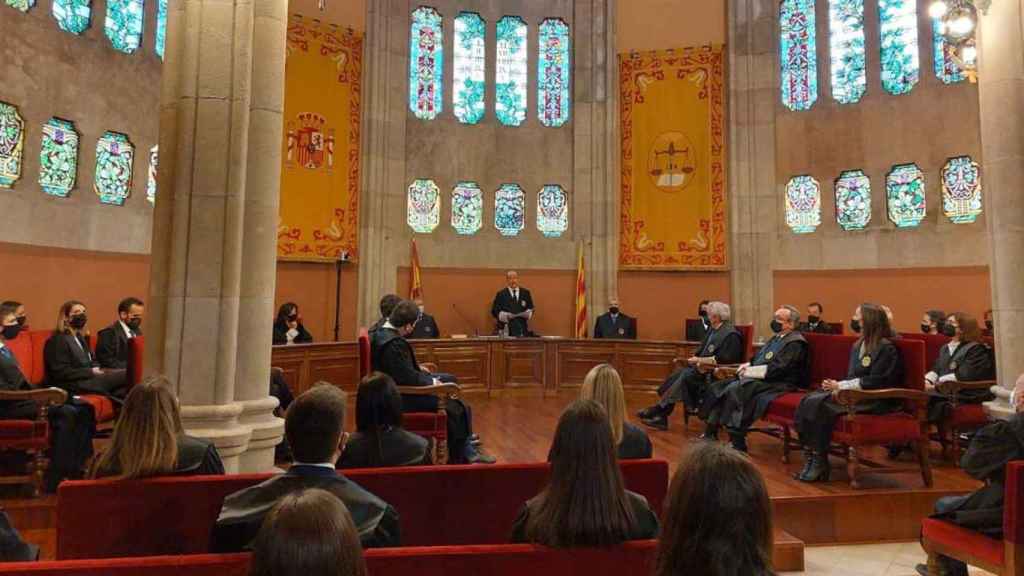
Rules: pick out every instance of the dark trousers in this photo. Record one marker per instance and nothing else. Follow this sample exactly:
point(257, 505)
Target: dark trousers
point(72, 427)
point(815, 418)
point(950, 566)
point(112, 383)
point(459, 416)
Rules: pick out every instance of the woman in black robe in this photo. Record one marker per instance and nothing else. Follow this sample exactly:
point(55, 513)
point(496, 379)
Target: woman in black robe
point(965, 359)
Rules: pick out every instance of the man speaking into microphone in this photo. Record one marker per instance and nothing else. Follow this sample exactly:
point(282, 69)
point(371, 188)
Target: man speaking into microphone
point(513, 308)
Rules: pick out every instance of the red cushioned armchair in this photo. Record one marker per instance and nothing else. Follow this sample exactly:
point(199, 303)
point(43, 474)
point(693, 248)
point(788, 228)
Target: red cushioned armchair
point(1004, 557)
point(746, 334)
point(433, 426)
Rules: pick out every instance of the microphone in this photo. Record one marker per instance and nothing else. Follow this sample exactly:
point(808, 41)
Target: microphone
point(476, 331)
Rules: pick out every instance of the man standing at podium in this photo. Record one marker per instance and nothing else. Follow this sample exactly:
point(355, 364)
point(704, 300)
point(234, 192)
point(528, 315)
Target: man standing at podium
point(513, 307)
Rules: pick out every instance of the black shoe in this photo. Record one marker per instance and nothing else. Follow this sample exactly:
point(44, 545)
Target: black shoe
point(819, 470)
point(657, 422)
point(739, 443)
point(649, 412)
point(922, 569)
point(808, 457)
point(476, 456)
point(893, 451)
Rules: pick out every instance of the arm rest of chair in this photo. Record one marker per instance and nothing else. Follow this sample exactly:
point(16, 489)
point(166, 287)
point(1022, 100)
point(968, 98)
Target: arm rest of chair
point(45, 397)
point(726, 371)
point(444, 390)
point(952, 388)
point(850, 398)
point(429, 367)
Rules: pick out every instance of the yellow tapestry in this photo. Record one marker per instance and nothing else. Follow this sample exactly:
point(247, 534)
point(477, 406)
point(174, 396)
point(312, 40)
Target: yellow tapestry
point(320, 177)
point(673, 213)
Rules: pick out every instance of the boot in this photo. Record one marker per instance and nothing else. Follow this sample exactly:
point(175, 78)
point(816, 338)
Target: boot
point(739, 442)
point(650, 412)
point(658, 422)
point(808, 456)
point(819, 470)
point(474, 455)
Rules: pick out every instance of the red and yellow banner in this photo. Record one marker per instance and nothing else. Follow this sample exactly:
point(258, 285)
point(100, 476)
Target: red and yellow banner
point(415, 281)
point(581, 298)
point(320, 177)
point(673, 213)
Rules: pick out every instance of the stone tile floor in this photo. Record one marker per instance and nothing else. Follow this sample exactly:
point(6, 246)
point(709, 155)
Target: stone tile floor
point(866, 560)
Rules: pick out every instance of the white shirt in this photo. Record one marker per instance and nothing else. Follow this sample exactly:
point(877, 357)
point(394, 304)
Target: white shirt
point(514, 292)
point(932, 377)
point(290, 335)
point(318, 464)
point(127, 330)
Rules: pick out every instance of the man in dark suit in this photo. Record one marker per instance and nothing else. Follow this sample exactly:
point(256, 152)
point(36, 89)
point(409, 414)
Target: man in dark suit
point(314, 427)
point(815, 323)
point(513, 307)
point(426, 326)
point(387, 304)
point(615, 324)
point(112, 345)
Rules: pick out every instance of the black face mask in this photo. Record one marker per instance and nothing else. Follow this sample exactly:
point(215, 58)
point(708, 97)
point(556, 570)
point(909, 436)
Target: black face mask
point(926, 328)
point(988, 325)
point(134, 324)
point(23, 319)
point(614, 309)
point(776, 326)
point(293, 318)
point(11, 332)
point(948, 330)
point(704, 314)
point(855, 325)
point(78, 321)
point(813, 319)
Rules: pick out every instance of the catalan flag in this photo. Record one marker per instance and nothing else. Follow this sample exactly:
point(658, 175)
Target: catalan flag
point(581, 298)
point(415, 283)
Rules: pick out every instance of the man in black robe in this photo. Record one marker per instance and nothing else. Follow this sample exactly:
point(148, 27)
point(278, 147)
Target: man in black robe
point(426, 326)
point(615, 324)
point(513, 308)
point(387, 304)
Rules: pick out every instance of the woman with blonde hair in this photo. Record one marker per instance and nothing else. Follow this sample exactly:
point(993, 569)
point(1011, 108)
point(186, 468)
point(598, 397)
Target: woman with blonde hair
point(68, 357)
point(604, 386)
point(149, 439)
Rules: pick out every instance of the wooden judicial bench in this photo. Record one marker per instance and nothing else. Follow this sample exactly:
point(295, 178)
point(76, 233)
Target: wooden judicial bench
point(494, 364)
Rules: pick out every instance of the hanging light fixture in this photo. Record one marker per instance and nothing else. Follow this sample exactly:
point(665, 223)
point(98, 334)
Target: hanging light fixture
point(958, 25)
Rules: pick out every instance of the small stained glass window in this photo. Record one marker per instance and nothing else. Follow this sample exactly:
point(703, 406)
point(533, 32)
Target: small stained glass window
point(161, 28)
point(552, 211)
point(798, 54)
point(115, 156)
point(426, 64)
point(904, 193)
point(72, 16)
point(553, 73)
point(424, 206)
point(469, 60)
point(846, 38)
point(901, 66)
point(803, 204)
point(946, 68)
point(154, 163)
point(22, 5)
point(467, 208)
point(58, 158)
point(511, 71)
point(510, 210)
point(12, 143)
point(961, 190)
point(853, 200)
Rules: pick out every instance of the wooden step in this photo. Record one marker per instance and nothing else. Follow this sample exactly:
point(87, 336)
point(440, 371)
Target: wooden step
point(787, 552)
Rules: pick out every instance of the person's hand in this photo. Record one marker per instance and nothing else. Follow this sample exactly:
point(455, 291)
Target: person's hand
point(830, 385)
point(97, 370)
point(503, 316)
point(437, 382)
point(693, 360)
point(928, 385)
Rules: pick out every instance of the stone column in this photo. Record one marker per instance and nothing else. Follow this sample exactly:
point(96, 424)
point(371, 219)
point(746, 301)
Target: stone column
point(1001, 99)
point(753, 198)
point(212, 267)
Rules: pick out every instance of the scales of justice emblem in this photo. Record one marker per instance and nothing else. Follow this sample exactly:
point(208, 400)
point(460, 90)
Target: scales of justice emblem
point(672, 162)
point(308, 143)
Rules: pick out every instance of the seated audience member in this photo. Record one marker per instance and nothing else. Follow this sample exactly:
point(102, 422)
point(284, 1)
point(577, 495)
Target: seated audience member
point(288, 328)
point(426, 326)
point(815, 323)
point(112, 346)
point(615, 324)
point(722, 344)
point(989, 331)
point(149, 439)
point(780, 366)
point(965, 359)
point(991, 449)
point(19, 312)
point(379, 439)
point(12, 547)
point(72, 425)
point(387, 305)
point(933, 322)
point(875, 364)
point(695, 331)
point(585, 503)
point(718, 521)
point(308, 533)
point(314, 427)
point(68, 360)
point(603, 385)
point(391, 354)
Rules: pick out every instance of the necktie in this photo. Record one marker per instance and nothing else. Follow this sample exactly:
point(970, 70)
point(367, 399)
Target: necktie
point(6, 353)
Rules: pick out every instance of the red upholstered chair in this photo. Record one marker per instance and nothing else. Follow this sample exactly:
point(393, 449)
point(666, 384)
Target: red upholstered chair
point(961, 418)
point(431, 425)
point(136, 351)
point(33, 365)
point(933, 344)
point(747, 332)
point(1004, 557)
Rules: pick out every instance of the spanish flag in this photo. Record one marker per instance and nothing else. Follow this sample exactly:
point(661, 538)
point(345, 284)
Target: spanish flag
point(581, 298)
point(415, 284)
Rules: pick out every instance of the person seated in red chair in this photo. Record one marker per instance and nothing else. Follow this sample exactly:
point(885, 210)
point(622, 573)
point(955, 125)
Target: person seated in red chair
point(934, 322)
point(815, 323)
point(72, 426)
point(991, 449)
point(387, 305)
point(965, 359)
point(875, 364)
point(112, 346)
point(989, 331)
point(314, 426)
point(380, 440)
point(392, 354)
point(69, 361)
point(288, 328)
point(19, 312)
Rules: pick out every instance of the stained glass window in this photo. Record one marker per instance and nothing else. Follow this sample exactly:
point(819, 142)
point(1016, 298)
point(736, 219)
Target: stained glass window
point(154, 163)
point(553, 71)
point(803, 204)
point(23, 5)
point(161, 28)
point(426, 64)
point(961, 190)
point(114, 158)
point(552, 211)
point(510, 78)
point(424, 206)
point(124, 24)
point(467, 208)
point(904, 193)
point(12, 142)
point(853, 200)
point(946, 69)
point(901, 66)
point(469, 58)
point(510, 210)
point(846, 40)
point(798, 54)
point(72, 15)
point(58, 158)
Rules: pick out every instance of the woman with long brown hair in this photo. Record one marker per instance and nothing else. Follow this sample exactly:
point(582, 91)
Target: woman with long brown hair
point(585, 502)
point(604, 386)
point(719, 519)
point(149, 439)
point(69, 361)
point(964, 359)
point(379, 439)
point(875, 364)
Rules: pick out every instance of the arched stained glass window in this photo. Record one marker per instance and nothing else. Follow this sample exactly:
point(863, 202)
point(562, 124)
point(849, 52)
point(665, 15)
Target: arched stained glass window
point(467, 208)
point(469, 58)
point(424, 206)
point(904, 193)
point(22, 5)
point(114, 158)
point(853, 200)
point(154, 164)
point(510, 77)
point(12, 143)
point(124, 24)
point(946, 68)
point(798, 54)
point(553, 72)
point(510, 210)
point(426, 64)
point(161, 28)
point(552, 211)
point(961, 190)
point(72, 16)
point(58, 158)
point(901, 66)
point(846, 40)
point(803, 204)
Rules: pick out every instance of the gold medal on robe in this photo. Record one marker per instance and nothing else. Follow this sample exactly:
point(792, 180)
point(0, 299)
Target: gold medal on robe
point(952, 366)
point(711, 348)
point(622, 331)
point(865, 361)
point(769, 355)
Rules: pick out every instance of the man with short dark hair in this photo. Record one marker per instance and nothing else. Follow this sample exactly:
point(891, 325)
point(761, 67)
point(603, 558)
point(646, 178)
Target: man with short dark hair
point(387, 304)
point(934, 322)
point(314, 427)
point(815, 323)
point(19, 312)
point(112, 344)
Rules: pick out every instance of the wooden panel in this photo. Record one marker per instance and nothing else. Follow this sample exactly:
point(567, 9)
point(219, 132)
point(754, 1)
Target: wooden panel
point(521, 364)
point(468, 361)
point(575, 361)
point(307, 364)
